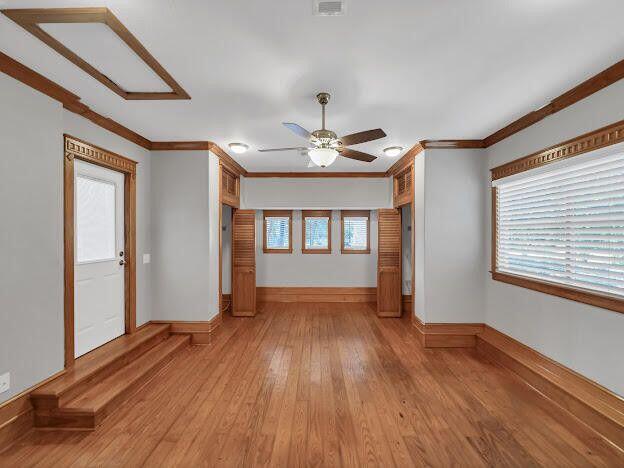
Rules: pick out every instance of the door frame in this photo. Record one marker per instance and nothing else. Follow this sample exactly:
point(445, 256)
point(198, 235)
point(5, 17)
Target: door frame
point(74, 148)
point(234, 203)
point(399, 204)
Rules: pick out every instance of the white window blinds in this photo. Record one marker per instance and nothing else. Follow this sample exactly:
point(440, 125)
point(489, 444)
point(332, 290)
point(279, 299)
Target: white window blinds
point(317, 233)
point(277, 232)
point(565, 226)
point(355, 231)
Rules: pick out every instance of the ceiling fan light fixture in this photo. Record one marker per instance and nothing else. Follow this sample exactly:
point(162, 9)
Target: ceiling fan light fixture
point(238, 148)
point(393, 151)
point(323, 157)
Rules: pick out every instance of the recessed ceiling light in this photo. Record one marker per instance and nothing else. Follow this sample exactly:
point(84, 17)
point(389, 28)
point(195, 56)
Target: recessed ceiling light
point(393, 151)
point(238, 148)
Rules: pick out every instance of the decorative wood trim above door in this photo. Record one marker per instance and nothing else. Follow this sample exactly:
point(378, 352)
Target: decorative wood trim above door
point(605, 136)
point(30, 19)
point(75, 148)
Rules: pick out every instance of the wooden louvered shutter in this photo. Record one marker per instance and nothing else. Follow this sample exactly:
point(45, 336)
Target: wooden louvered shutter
point(244, 263)
point(403, 187)
point(389, 263)
point(230, 188)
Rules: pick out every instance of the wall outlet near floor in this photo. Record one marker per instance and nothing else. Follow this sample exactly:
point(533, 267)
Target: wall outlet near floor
point(5, 382)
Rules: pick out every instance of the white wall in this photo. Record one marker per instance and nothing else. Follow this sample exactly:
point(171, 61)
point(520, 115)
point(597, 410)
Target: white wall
point(31, 236)
point(183, 239)
point(321, 193)
point(584, 338)
point(448, 238)
point(84, 129)
point(31, 246)
point(310, 270)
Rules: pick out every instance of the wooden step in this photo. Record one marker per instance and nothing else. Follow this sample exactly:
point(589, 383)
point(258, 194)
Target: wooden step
point(95, 366)
point(88, 410)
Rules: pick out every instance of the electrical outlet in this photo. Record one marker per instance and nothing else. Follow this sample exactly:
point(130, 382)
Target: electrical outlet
point(5, 382)
point(146, 259)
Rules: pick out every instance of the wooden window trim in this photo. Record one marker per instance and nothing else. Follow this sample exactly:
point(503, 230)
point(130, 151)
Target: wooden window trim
point(603, 137)
point(316, 214)
point(352, 214)
point(270, 213)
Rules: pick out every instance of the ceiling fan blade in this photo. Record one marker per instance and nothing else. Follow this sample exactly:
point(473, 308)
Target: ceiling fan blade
point(353, 154)
point(297, 129)
point(295, 148)
point(362, 137)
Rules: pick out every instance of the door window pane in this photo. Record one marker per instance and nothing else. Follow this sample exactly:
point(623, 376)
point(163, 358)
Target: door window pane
point(95, 220)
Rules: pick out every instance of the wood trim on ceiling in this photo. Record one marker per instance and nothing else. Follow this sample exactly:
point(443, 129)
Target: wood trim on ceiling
point(605, 136)
point(452, 144)
point(30, 19)
point(405, 161)
point(315, 175)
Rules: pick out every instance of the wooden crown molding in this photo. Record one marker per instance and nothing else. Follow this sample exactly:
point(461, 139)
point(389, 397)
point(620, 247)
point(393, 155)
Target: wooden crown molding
point(405, 161)
point(75, 147)
point(605, 136)
point(30, 19)
point(452, 144)
point(315, 175)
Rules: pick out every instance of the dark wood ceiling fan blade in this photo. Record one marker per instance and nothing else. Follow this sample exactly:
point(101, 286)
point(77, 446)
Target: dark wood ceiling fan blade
point(362, 137)
point(297, 129)
point(295, 148)
point(353, 154)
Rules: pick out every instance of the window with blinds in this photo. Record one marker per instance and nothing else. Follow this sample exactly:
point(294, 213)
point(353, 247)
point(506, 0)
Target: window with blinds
point(355, 231)
point(316, 231)
point(277, 231)
point(564, 226)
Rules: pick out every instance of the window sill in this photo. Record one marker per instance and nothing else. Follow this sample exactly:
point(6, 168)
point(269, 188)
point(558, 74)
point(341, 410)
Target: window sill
point(578, 295)
point(277, 251)
point(353, 251)
point(315, 251)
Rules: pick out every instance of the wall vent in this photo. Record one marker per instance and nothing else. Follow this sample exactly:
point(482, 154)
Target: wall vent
point(329, 7)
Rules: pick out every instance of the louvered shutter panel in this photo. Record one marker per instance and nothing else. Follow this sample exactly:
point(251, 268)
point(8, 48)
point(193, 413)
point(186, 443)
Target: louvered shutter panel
point(564, 226)
point(389, 263)
point(244, 263)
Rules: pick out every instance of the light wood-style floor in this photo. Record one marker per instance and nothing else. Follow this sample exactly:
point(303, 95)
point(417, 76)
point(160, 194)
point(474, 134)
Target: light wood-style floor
point(325, 385)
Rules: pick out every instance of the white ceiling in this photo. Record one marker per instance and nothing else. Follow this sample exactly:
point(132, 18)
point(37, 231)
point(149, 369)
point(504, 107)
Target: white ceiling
point(419, 69)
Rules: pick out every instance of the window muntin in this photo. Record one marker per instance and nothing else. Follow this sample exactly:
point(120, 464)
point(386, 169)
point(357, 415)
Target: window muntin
point(564, 226)
point(355, 232)
point(278, 231)
point(316, 231)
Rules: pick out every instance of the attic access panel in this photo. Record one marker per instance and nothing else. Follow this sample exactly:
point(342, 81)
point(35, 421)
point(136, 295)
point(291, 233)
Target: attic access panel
point(31, 19)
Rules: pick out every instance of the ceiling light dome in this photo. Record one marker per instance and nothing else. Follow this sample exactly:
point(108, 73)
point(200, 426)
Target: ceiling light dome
point(323, 157)
point(238, 148)
point(393, 151)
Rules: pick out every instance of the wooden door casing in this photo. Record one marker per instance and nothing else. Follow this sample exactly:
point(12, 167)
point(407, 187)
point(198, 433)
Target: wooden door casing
point(389, 263)
point(244, 263)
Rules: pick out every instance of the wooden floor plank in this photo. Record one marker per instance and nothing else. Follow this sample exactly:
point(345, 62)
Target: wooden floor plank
point(325, 385)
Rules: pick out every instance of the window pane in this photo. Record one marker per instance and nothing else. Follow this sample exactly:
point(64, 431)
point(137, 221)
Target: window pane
point(316, 230)
point(565, 226)
point(277, 232)
point(355, 233)
point(95, 220)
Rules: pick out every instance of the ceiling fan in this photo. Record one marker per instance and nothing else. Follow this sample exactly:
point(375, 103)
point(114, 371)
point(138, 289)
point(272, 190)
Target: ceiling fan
point(325, 145)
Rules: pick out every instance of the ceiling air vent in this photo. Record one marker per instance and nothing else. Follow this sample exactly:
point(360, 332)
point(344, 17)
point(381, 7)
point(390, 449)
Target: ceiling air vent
point(329, 7)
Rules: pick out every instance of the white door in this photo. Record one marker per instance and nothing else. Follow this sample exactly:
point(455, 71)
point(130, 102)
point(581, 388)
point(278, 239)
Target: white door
point(99, 312)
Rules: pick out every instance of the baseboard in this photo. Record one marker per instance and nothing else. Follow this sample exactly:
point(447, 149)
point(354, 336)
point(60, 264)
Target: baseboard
point(201, 331)
point(407, 304)
point(226, 302)
point(447, 335)
point(316, 294)
point(17, 414)
point(597, 407)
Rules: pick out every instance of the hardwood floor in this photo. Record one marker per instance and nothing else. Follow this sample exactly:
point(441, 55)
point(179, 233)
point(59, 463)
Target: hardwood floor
point(325, 385)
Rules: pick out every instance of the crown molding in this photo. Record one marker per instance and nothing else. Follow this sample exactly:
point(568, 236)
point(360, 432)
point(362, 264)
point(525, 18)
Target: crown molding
point(316, 175)
point(452, 144)
point(405, 160)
